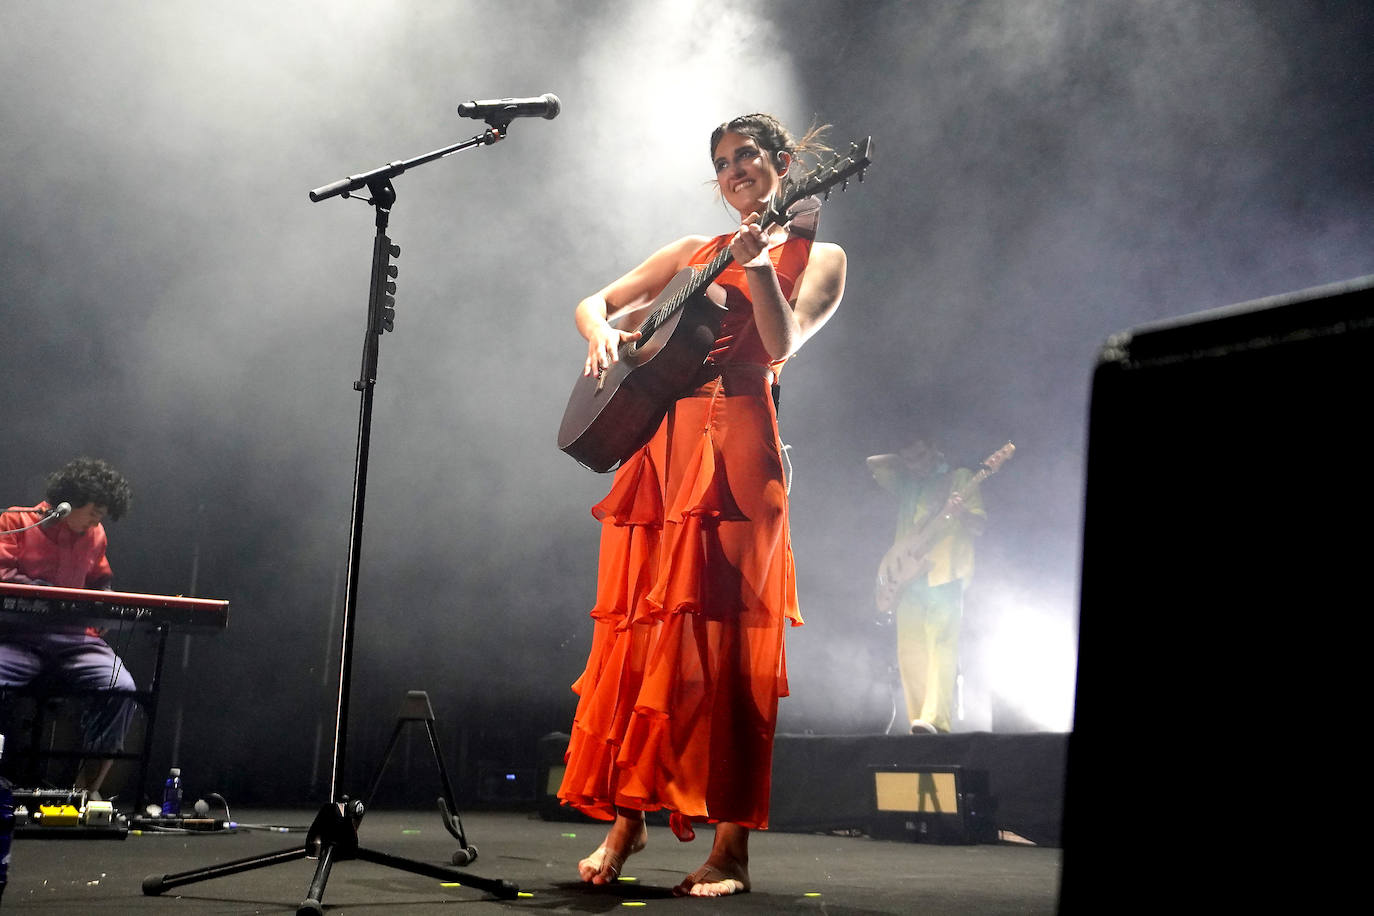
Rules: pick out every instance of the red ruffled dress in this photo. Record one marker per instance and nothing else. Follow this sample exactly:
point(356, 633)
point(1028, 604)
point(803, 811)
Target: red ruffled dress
point(678, 703)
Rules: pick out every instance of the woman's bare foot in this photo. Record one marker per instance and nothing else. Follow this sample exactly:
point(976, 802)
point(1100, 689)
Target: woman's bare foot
point(726, 870)
point(714, 881)
point(627, 836)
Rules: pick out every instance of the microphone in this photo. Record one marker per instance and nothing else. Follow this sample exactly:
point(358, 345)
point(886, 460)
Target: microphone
point(61, 510)
point(546, 106)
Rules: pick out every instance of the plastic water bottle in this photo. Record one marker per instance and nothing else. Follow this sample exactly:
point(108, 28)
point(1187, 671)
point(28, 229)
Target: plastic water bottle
point(171, 794)
point(6, 825)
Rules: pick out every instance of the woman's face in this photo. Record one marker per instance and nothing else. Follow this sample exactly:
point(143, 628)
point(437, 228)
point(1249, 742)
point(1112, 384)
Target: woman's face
point(745, 173)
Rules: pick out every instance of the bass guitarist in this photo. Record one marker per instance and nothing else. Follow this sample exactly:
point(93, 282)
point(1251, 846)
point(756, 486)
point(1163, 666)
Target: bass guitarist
point(922, 577)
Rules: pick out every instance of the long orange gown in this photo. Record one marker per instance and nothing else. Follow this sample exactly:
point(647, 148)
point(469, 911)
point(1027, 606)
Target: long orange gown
point(678, 703)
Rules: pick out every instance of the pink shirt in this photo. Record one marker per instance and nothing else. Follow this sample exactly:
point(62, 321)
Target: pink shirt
point(52, 553)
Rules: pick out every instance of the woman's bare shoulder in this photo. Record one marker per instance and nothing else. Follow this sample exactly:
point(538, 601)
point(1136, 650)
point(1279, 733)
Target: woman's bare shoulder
point(688, 245)
point(828, 253)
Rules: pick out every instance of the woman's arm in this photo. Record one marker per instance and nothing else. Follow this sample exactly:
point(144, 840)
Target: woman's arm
point(784, 327)
point(623, 298)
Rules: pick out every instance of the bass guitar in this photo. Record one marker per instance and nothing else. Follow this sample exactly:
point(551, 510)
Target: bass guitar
point(610, 415)
point(909, 558)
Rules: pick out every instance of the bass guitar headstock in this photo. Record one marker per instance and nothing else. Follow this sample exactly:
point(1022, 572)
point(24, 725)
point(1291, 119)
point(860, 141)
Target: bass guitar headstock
point(995, 460)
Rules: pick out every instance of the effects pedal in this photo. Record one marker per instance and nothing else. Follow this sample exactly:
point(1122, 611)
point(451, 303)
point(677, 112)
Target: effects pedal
point(65, 814)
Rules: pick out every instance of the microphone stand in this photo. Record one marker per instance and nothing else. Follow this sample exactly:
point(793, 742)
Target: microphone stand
point(333, 836)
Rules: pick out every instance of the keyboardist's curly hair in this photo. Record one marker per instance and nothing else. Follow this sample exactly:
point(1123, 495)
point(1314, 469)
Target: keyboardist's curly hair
point(90, 480)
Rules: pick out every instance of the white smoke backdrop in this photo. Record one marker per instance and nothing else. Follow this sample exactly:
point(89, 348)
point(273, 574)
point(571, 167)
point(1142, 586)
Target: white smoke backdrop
point(1046, 173)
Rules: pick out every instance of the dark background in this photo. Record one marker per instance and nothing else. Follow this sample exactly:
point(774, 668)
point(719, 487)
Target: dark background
point(1046, 173)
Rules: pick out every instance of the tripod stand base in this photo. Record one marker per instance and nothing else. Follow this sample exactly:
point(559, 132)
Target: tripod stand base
point(333, 837)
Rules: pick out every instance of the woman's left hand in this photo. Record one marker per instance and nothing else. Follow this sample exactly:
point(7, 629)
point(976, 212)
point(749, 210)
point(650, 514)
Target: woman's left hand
point(749, 247)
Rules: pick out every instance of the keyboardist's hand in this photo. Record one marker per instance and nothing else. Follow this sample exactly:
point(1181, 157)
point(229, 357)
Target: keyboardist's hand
point(25, 580)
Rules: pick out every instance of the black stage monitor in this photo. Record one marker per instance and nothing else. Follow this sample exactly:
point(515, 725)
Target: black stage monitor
point(1224, 588)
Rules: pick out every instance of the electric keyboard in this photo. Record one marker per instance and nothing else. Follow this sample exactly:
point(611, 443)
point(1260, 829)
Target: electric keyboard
point(92, 606)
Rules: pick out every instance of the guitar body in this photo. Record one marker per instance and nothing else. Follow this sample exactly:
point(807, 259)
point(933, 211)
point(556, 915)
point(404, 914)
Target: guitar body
point(608, 418)
point(899, 567)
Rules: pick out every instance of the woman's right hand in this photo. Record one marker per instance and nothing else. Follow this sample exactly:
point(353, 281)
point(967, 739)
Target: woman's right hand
point(603, 348)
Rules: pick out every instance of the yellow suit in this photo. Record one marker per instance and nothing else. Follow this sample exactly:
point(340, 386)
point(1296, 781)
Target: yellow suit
point(928, 609)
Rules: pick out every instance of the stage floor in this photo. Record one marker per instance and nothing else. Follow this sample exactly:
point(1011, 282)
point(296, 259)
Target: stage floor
point(791, 872)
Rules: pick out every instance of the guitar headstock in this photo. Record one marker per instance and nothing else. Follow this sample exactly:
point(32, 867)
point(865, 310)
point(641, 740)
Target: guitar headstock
point(836, 170)
point(996, 459)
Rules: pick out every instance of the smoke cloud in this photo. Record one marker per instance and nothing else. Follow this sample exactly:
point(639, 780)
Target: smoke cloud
point(1046, 173)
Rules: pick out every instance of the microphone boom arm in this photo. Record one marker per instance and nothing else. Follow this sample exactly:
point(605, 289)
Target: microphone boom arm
point(377, 177)
point(61, 510)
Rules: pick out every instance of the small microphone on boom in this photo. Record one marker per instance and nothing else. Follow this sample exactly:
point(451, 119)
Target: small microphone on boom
point(61, 510)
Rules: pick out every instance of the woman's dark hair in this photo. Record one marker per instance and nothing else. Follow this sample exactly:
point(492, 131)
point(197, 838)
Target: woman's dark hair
point(768, 132)
point(90, 480)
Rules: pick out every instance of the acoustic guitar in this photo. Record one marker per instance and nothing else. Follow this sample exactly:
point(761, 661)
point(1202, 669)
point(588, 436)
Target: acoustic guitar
point(610, 415)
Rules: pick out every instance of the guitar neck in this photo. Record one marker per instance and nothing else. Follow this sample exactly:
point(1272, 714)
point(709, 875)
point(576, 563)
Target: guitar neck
point(959, 494)
point(703, 278)
point(990, 464)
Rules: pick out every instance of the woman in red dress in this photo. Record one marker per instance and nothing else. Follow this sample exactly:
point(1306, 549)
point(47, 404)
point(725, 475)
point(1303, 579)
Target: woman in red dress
point(678, 703)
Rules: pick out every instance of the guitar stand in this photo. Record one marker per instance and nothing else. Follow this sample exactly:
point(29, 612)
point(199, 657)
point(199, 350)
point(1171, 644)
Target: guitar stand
point(416, 708)
point(333, 836)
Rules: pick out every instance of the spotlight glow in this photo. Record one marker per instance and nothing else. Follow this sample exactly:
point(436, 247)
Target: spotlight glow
point(1031, 657)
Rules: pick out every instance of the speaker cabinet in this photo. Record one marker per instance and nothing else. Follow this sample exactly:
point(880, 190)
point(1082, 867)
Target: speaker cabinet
point(1224, 574)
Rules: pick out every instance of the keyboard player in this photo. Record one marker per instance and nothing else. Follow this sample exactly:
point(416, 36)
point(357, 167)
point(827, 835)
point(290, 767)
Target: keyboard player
point(69, 550)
